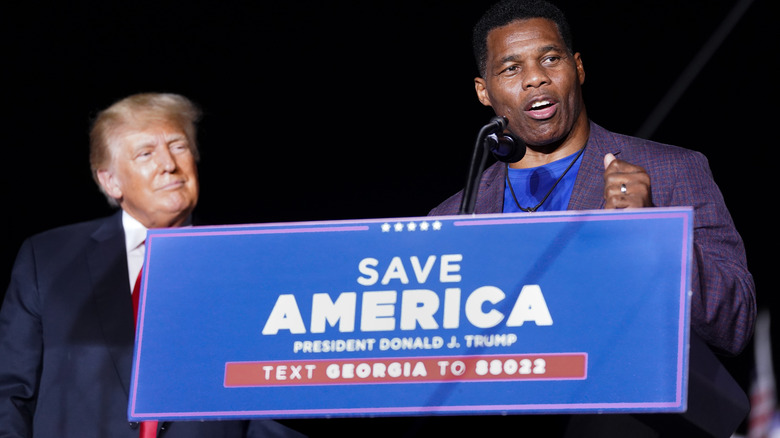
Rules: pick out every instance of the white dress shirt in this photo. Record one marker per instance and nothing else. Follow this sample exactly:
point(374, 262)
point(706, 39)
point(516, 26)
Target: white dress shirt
point(135, 235)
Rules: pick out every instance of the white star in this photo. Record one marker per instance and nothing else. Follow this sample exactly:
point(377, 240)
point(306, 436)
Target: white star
point(399, 226)
point(411, 226)
point(385, 227)
point(437, 225)
point(424, 225)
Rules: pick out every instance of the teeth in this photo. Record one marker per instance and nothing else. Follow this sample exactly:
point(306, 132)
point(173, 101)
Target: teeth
point(540, 103)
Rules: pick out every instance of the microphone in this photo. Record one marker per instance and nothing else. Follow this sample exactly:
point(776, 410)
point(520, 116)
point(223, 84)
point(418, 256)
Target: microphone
point(503, 146)
point(496, 124)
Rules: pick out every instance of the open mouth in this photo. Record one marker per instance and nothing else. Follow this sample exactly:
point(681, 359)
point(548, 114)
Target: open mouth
point(541, 109)
point(541, 104)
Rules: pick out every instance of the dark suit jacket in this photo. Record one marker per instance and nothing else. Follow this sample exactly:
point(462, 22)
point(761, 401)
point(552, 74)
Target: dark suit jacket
point(66, 342)
point(723, 306)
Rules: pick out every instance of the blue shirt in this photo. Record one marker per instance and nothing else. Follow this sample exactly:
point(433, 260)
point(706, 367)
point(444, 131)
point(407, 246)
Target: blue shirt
point(531, 185)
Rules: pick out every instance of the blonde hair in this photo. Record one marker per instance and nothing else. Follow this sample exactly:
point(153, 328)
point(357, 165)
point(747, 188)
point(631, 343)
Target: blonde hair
point(168, 106)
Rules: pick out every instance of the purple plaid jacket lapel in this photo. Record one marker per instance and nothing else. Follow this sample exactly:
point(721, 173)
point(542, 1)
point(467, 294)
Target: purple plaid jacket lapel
point(588, 193)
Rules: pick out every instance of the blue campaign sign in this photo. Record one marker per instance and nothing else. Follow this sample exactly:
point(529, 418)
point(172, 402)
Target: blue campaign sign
point(522, 313)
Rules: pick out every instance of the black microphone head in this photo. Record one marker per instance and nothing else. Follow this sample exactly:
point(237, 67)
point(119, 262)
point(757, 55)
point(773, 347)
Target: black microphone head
point(499, 122)
point(506, 147)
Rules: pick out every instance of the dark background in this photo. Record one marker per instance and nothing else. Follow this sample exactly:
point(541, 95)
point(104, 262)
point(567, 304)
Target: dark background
point(320, 110)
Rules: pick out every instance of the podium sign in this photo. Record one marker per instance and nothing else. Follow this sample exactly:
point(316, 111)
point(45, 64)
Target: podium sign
point(565, 312)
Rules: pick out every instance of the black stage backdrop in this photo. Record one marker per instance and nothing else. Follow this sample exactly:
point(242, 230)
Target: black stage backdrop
point(320, 110)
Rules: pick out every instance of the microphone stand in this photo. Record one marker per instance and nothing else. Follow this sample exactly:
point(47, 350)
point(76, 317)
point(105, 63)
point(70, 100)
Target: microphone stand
point(478, 160)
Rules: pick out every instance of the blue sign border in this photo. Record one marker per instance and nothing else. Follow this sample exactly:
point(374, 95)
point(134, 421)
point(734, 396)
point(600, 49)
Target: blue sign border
point(178, 255)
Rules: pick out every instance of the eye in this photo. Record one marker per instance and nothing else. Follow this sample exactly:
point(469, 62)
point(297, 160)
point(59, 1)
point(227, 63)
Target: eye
point(510, 70)
point(551, 60)
point(180, 146)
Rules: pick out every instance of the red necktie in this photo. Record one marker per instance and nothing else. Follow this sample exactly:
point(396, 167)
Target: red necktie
point(148, 428)
point(136, 293)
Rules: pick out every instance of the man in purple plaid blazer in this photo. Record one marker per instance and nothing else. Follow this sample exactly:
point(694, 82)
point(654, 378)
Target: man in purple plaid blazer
point(530, 75)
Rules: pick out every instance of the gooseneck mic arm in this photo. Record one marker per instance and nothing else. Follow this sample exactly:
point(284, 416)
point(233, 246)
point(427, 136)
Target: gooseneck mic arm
point(478, 159)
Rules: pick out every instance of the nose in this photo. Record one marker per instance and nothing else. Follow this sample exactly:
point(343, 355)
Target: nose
point(535, 77)
point(166, 160)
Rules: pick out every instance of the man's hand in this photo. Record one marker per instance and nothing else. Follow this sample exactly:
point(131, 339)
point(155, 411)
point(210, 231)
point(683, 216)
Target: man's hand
point(625, 185)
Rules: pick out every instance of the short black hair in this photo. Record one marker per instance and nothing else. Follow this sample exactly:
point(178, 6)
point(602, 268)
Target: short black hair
point(507, 11)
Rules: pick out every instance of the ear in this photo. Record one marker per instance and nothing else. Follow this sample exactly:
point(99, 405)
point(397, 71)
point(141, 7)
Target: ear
point(580, 67)
point(481, 87)
point(109, 183)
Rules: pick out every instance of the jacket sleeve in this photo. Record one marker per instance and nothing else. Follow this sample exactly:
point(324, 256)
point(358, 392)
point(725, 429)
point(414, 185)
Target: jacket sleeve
point(21, 347)
point(723, 302)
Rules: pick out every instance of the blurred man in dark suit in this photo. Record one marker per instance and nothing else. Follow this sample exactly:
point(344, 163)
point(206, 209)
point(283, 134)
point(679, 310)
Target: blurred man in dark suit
point(67, 322)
